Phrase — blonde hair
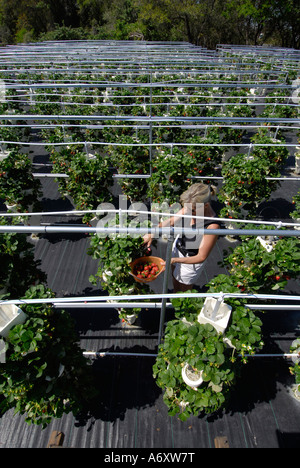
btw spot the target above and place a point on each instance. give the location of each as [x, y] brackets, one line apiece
[198, 193]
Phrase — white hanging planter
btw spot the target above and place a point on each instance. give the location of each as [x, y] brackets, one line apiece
[268, 242]
[229, 237]
[296, 350]
[215, 312]
[297, 160]
[297, 220]
[90, 156]
[191, 377]
[12, 208]
[10, 315]
[231, 225]
[296, 345]
[94, 221]
[3, 155]
[296, 391]
[130, 318]
[106, 274]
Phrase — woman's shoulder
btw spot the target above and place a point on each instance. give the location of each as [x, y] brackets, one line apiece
[213, 224]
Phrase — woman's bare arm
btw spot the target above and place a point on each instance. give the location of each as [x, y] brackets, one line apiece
[207, 244]
[167, 222]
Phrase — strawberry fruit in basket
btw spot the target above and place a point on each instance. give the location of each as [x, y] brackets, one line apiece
[146, 269]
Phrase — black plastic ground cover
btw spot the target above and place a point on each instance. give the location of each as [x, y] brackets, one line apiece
[130, 412]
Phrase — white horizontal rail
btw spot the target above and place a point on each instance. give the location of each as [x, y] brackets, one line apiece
[100, 354]
[112, 305]
[64, 103]
[15, 97]
[134, 212]
[55, 229]
[149, 297]
[144, 127]
[147, 176]
[156, 305]
[158, 144]
[154, 84]
[97, 354]
[238, 69]
[131, 118]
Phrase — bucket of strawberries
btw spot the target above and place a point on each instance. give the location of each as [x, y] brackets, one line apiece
[147, 269]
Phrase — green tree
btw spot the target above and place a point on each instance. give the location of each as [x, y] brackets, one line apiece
[91, 12]
[266, 21]
[285, 21]
[171, 19]
[205, 23]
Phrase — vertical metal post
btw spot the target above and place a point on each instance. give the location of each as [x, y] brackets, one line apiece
[150, 127]
[165, 288]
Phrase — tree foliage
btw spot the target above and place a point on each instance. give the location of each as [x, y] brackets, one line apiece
[205, 23]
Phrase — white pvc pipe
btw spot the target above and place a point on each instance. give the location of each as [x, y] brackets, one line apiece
[112, 353]
[149, 119]
[99, 211]
[112, 305]
[145, 230]
[147, 176]
[133, 297]
[146, 145]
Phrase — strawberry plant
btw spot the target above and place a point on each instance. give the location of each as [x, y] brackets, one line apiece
[18, 268]
[275, 155]
[115, 253]
[89, 179]
[173, 169]
[204, 350]
[219, 357]
[252, 268]
[295, 214]
[17, 184]
[295, 368]
[45, 374]
[131, 160]
[245, 184]
[171, 175]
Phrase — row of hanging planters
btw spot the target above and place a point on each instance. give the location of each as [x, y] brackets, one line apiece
[295, 346]
[246, 180]
[19, 189]
[43, 373]
[165, 100]
[173, 168]
[200, 359]
[199, 363]
[193, 344]
[295, 214]
[88, 181]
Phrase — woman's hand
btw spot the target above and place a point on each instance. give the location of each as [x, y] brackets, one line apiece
[147, 240]
[176, 260]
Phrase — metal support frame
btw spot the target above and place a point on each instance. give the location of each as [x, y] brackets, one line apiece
[151, 56]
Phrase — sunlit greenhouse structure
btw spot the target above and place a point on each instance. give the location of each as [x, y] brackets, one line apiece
[98, 141]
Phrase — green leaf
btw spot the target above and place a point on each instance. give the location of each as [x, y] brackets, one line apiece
[41, 369]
